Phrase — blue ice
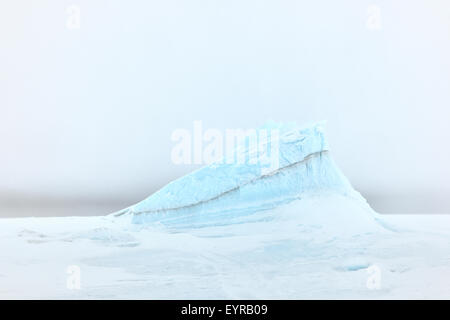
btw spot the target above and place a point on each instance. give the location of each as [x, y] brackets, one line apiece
[225, 193]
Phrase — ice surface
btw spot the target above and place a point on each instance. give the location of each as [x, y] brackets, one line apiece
[300, 231]
[312, 248]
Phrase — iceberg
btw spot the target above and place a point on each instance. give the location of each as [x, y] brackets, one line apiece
[226, 193]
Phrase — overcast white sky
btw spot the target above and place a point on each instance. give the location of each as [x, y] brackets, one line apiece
[88, 113]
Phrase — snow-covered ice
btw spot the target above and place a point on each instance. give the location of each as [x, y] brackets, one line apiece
[290, 255]
[233, 232]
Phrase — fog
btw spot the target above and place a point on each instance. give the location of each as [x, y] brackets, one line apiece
[87, 110]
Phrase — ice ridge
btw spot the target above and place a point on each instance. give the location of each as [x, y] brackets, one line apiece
[222, 192]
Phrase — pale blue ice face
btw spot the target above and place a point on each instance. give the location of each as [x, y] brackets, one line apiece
[221, 193]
